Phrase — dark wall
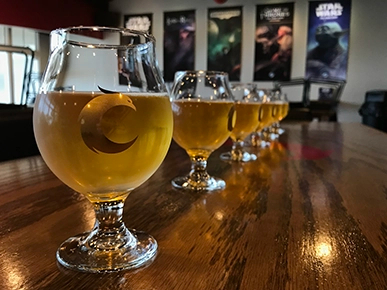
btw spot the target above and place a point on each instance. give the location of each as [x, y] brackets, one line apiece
[17, 136]
[51, 14]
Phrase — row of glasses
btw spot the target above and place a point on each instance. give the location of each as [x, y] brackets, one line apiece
[104, 139]
[274, 109]
[207, 111]
[203, 103]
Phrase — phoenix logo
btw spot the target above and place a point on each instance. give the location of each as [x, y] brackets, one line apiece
[231, 119]
[91, 117]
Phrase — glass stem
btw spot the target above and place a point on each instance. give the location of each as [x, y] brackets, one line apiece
[276, 128]
[198, 171]
[256, 139]
[266, 134]
[237, 150]
[110, 232]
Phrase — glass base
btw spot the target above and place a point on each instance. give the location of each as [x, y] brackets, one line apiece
[77, 254]
[244, 157]
[209, 184]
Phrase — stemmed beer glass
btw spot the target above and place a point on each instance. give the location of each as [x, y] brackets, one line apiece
[102, 138]
[265, 119]
[282, 108]
[203, 114]
[247, 107]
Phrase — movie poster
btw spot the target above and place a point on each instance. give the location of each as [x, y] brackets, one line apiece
[273, 42]
[179, 42]
[328, 39]
[224, 41]
[141, 22]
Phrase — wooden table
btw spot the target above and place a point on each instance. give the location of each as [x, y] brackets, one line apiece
[311, 213]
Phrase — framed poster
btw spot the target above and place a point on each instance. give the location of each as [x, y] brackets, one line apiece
[328, 39]
[273, 42]
[225, 41]
[141, 22]
[179, 42]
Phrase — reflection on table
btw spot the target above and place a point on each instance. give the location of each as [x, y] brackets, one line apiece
[310, 213]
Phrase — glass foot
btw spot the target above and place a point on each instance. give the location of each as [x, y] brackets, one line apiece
[209, 184]
[244, 157]
[78, 253]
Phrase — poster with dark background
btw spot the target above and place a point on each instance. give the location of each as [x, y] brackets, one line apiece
[328, 39]
[273, 42]
[141, 22]
[224, 41]
[179, 42]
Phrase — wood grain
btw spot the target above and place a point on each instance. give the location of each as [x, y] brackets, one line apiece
[310, 213]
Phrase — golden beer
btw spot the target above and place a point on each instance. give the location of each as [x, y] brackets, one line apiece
[284, 110]
[265, 116]
[201, 126]
[276, 111]
[246, 121]
[103, 145]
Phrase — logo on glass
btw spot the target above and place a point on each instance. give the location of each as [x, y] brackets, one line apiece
[99, 120]
[231, 119]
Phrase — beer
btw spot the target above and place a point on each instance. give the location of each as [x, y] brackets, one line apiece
[103, 145]
[246, 120]
[201, 126]
[265, 116]
[284, 110]
[276, 111]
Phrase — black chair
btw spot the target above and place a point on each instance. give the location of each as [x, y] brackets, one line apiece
[16, 119]
[324, 108]
[298, 111]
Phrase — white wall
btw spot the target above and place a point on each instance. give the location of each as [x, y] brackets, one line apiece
[367, 68]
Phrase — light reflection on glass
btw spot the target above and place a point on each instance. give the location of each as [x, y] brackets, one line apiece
[88, 216]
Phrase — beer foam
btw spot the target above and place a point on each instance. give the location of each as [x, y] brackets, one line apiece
[198, 100]
[99, 93]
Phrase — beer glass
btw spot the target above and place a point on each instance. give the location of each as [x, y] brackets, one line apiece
[280, 111]
[247, 106]
[203, 114]
[103, 125]
[284, 105]
[265, 117]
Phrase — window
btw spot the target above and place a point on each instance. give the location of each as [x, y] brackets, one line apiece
[14, 65]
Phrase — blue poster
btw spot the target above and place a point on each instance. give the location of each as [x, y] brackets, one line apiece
[328, 39]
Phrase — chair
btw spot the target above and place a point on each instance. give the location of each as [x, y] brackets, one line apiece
[16, 119]
[323, 109]
[298, 111]
[29, 55]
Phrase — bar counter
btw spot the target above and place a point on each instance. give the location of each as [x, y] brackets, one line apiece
[310, 213]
